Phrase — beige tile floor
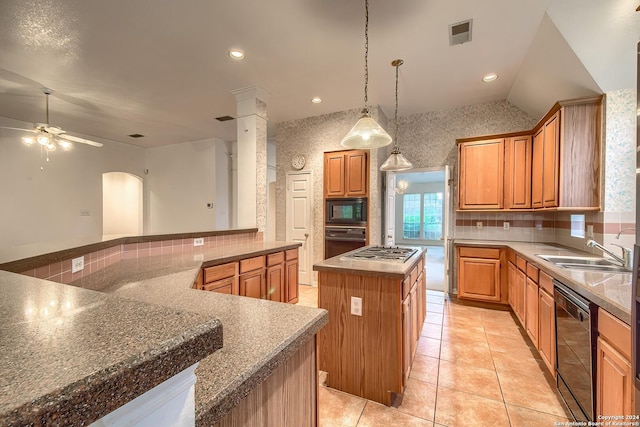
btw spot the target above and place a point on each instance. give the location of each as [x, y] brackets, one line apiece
[473, 367]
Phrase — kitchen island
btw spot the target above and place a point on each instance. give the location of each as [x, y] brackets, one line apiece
[376, 311]
[267, 345]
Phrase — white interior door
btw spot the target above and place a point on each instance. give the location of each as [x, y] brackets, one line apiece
[299, 219]
[446, 227]
[390, 210]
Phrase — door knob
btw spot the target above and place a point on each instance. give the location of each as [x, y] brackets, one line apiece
[306, 235]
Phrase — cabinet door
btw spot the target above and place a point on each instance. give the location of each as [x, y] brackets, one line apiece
[356, 173]
[521, 287]
[512, 286]
[551, 162]
[614, 382]
[536, 169]
[547, 330]
[531, 316]
[479, 279]
[518, 173]
[422, 299]
[406, 339]
[252, 284]
[291, 281]
[334, 182]
[481, 174]
[224, 286]
[414, 319]
[275, 282]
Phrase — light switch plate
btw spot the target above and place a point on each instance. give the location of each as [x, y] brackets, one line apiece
[77, 264]
[505, 225]
[590, 230]
[356, 306]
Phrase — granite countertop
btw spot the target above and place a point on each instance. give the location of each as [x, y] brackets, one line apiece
[69, 356]
[391, 269]
[259, 335]
[609, 290]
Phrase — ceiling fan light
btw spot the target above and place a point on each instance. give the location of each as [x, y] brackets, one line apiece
[28, 140]
[43, 140]
[396, 162]
[51, 147]
[65, 145]
[366, 133]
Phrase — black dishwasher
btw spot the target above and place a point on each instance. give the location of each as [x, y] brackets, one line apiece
[575, 350]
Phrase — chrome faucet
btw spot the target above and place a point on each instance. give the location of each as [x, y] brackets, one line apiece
[625, 261]
[624, 229]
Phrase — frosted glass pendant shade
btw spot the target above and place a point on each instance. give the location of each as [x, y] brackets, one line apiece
[396, 162]
[366, 133]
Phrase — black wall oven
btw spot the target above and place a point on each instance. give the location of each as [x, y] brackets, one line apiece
[341, 239]
[346, 212]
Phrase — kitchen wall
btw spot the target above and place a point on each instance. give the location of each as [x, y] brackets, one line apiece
[44, 206]
[311, 137]
[180, 182]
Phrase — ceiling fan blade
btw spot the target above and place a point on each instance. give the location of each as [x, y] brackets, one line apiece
[19, 129]
[79, 140]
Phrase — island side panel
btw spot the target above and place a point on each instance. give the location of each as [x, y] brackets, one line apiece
[288, 397]
[362, 354]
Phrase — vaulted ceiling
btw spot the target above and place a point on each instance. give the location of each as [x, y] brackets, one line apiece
[160, 68]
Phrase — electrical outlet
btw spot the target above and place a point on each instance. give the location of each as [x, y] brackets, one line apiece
[77, 264]
[505, 225]
[356, 306]
[198, 241]
[479, 225]
[589, 230]
[85, 212]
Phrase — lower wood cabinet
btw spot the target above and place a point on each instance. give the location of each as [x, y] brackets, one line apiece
[531, 316]
[291, 276]
[273, 276]
[614, 378]
[547, 330]
[520, 292]
[479, 274]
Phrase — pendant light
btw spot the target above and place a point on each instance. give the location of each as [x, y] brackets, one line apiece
[366, 133]
[396, 161]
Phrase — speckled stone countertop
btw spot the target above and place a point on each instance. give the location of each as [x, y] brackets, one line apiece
[391, 269]
[609, 290]
[70, 356]
[259, 335]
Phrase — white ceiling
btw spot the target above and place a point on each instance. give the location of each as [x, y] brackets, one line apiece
[160, 68]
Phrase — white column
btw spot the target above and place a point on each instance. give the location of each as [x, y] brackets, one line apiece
[252, 157]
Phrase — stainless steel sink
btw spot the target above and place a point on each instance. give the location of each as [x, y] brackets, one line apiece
[584, 263]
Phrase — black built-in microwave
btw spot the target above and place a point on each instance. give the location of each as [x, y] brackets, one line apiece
[346, 211]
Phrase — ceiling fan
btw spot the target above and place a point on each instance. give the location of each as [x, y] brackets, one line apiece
[48, 136]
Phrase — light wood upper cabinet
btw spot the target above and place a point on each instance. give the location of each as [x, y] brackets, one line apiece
[555, 166]
[346, 174]
[517, 178]
[481, 174]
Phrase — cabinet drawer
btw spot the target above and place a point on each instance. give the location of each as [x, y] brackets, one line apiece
[546, 282]
[421, 264]
[469, 252]
[521, 263]
[274, 259]
[224, 286]
[413, 275]
[532, 272]
[291, 254]
[250, 264]
[512, 257]
[211, 274]
[406, 286]
[615, 332]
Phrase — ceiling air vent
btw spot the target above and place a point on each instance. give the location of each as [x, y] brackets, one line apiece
[136, 135]
[460, 32]
[224, 118]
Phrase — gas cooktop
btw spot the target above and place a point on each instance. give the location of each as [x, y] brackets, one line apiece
[383, 253]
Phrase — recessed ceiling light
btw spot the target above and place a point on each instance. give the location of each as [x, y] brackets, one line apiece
[490, 77]
[316, 100]
[236, 54]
